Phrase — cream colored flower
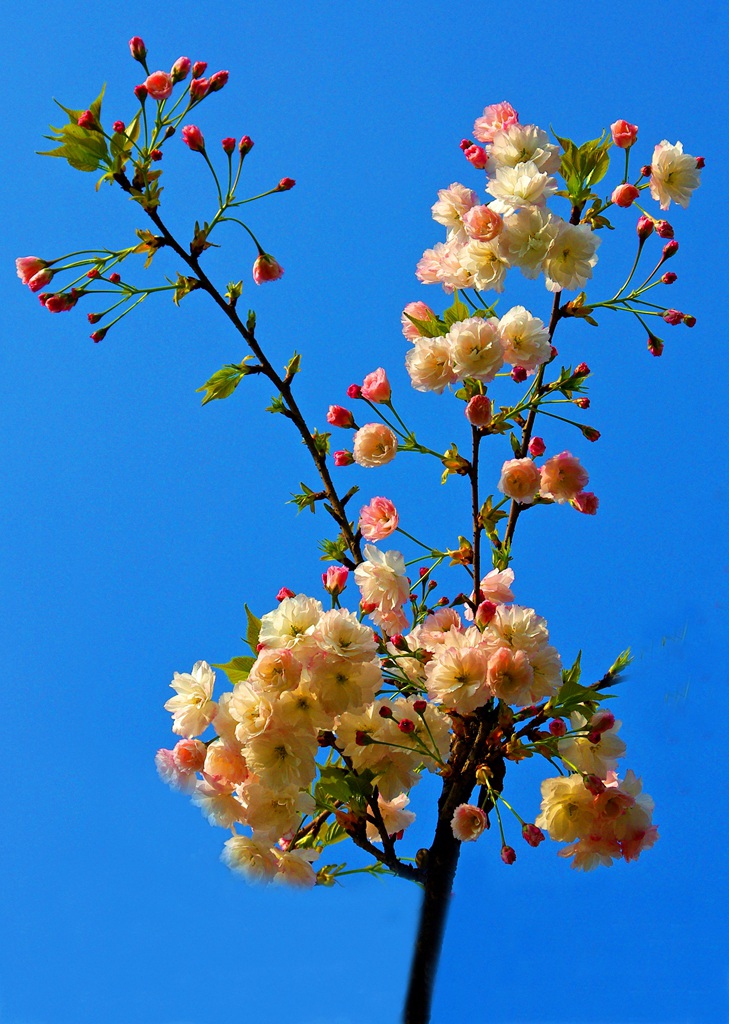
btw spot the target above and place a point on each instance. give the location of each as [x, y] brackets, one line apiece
[476, 349]
[524, 339]
[394, 817]
[453, 203]
[381, 579]
[253, 858]
[430, 365]
[193, 708]
[526, 237]
[520, 143]
[487, 263]
[674, 175]
[593, 758]
[291, 623]
[571, 257]
[519, 186]
[374, 445]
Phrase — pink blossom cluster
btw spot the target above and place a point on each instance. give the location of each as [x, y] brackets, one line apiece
[562, 479]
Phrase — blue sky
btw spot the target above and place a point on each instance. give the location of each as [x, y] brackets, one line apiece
[136, 524]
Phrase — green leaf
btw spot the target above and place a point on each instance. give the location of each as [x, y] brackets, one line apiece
[238, 669]
[340, 785]
[183, 286]
[85, 149]
[254, 629]
[223, 382]
[455, 313]
[334, 550]
[431, 328]
[277, 405]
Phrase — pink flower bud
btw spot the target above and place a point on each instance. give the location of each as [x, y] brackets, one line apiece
[465, 143]
[93, 273]
[532, 834]
[485, 613]
[159, 85]
[586, 502]
[537, 447]
[669, 277]
[624, 134]
[180, 69]
[582, 370]
[594, 736]
[338, 416]
[582, 403]
[61, 302]
[673, 317]
[137, 49]
[385, 711]
[664, 229]
[700, 163]
[361, 738]
[420, 706]
[689, 320]
[245, 145]
[508, 854]
[335, 579]
[285, 184]
[670, 249]
[343, 458]
[593, 784]
[655, 345]
[553, 353]
[115, 278]
[41, 279]
[644, 227]
[86, 120]
[406, 725]
[140, 91]
[99, 335]
[590, 433]
[478, 411]
[468, 822]
[27, 267]
[602, 721]
[419, 311]
[266, 268]
[519, 374]
[199, 89]
[354, 391]
[219, 80]
[557, 727]
[646, 170]
[156, 155]
[199, 68]
[625, 195]
[119, 127]
[376, 387]
[283, 593]
[193, 137]
[476, 156]
[228, 145]
[93, 318]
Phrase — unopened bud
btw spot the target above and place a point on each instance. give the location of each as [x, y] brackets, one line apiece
[700, 163]
[485, 613]
[228, 145]
[689, 320]
[343, 458]
[664, 229]
[406, 725]
[361, 738]
[582, 370]
[673, 317]
[354, 391]
[591, 434]
[335, 579]
[508, 854]
[532, 833]
[669, 277]
[625, 195]
[99, 335]
[582, 403]
[283, 593]
[285, 184]
[420, 706]
[119, 127]
[655, 345]
[199, 68]
[644, 227]
[601, 721]
[137, 49]
[594, 785]
[219, 80]
[140, 91]
[646, 170]
[537, 447]
[385, 711]
[478, 411]
[245, 145]
[519, 374]
[557, 727]
[115, 278]
[476, 156]
[338, 416]
[670, 249]
[594, 737]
